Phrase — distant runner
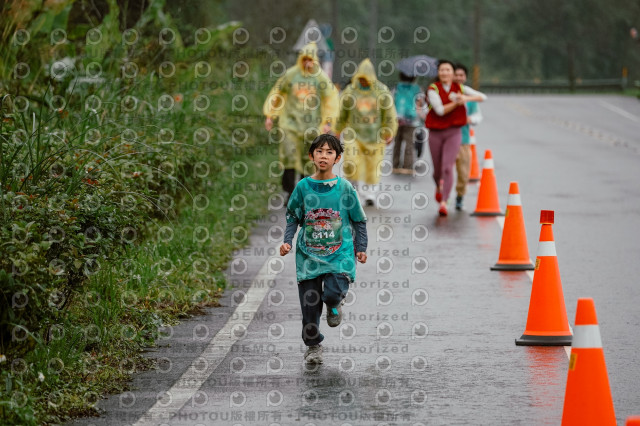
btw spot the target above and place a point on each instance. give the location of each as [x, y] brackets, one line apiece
[463, 160]
[447, 114]
[304, 99]
[368, 124]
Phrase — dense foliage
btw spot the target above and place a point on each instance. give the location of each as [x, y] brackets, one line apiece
[518, 39]
[117, 179]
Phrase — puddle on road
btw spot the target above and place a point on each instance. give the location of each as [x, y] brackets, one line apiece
[547, 376]
[514, 284]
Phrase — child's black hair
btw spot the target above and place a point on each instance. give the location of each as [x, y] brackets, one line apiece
[459, 66]
[406, 78]
[330, 140]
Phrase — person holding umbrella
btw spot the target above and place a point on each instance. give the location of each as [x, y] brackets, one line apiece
[447, 114]
[405, 96]
[410, 68]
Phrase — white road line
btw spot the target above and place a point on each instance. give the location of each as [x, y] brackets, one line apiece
[620, 111]
[217, 349]
[500, 220]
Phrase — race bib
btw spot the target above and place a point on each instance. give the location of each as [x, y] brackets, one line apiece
[322, 231]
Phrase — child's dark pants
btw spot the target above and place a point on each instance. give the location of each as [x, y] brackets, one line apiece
[312, 296]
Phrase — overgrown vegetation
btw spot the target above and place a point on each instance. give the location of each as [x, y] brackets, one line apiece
[119, 189]
[518, 39]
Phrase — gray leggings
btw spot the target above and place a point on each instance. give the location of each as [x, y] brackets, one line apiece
[444, 146]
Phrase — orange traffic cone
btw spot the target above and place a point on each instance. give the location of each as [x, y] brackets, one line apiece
[474, 170]
[547, 323]
[488, 203]
[587, 399]
[633, 421]
[514, 252]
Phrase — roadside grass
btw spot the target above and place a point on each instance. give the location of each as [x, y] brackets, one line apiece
[124, 308]
[126, 166]
[117, 219]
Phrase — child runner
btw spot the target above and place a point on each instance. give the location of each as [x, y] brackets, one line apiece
[463, 160]
[327, 209]
[447, 114]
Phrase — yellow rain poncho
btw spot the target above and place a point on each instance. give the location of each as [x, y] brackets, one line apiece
[369, 111]
[301, 103]
[367, 121]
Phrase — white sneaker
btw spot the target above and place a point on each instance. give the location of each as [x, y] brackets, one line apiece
[313, 355]
[369, 199]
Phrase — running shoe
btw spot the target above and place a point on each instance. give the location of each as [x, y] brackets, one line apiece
[442, 211]
[334, 315]
[439, 191]
[459, 202]
[369, 200]
[313, 355]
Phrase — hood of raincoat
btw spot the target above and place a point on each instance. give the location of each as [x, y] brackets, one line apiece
[367, 71]
[309, 50]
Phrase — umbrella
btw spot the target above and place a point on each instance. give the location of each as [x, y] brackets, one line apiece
[418, 66]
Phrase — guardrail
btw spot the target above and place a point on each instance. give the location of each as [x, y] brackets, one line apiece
[600, 85]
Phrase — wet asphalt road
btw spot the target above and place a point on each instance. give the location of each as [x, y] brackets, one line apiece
[428, 330]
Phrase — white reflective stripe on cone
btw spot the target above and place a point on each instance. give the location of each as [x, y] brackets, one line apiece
[488, 164]
[586, 336]
[546, 248]
[514, 200]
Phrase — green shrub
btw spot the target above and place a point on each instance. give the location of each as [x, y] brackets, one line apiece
[100, 185]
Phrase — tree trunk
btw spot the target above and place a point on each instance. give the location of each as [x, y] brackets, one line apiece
[476, 45]
[373, 29]
[571, 66]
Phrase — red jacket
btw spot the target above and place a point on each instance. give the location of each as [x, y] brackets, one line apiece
[456, 118]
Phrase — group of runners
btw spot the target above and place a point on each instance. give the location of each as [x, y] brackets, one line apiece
[318, 127]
